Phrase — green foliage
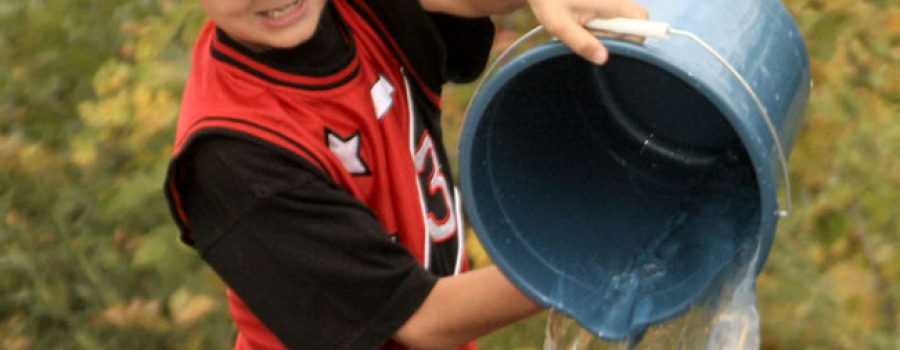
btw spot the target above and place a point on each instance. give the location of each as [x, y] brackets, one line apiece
[89, 257]
[832, 277]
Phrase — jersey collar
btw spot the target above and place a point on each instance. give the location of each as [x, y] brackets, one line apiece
[325, 61]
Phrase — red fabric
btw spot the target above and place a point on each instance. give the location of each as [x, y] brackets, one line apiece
[220, 96]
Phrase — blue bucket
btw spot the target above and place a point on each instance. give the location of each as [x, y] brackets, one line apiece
[620, 194]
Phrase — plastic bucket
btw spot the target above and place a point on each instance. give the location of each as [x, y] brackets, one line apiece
[619, 193]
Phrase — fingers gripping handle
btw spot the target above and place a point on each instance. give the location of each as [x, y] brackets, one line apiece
[661, 30]
[628, 26]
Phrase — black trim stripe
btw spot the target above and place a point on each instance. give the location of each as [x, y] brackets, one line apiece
[173, 198]
[229, 60]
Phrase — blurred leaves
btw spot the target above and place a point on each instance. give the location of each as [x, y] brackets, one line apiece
[187, 308]
[184, 307]
[89, 257]
[831, 281]
[139, 313]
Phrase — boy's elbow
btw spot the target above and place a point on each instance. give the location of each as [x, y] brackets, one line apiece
[433, 325]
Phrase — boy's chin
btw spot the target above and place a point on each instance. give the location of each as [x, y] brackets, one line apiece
[286, 44]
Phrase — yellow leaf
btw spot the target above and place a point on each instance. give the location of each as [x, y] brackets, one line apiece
[892, 24]
[17, 343]
[140, 313]
[9, 340]
[154, 111]
[37, 159]
[853, 287]
[187, 308]
[9, 149]
[111, 77]
[476, 251]
[112, 111]
[83, 152]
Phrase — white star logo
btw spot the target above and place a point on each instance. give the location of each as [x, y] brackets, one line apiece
[382, 96]
[347, 150]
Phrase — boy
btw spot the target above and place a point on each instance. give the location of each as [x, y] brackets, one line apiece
[309, 171]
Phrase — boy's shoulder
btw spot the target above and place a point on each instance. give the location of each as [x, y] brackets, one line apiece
[439, 47]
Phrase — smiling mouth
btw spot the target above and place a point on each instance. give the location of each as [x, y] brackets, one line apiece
[281, 11]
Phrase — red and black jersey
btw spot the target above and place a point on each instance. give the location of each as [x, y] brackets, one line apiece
[370, 126]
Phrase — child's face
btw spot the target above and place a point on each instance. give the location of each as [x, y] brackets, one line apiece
[266, 24]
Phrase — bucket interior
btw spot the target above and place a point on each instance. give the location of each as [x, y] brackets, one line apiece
[589, 176]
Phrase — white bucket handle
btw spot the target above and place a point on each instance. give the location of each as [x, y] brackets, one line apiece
[659, 30]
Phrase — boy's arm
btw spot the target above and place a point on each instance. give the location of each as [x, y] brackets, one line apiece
[464, 307]
[562, 18]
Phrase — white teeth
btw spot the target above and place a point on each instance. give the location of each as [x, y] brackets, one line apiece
[281, 11]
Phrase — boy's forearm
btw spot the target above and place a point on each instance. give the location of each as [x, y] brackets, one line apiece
[464, 307]
[473, 8]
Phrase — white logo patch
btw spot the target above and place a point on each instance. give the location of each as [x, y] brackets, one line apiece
[382, 96]
[347, 150]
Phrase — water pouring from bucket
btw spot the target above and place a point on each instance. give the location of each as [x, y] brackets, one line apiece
[624, 194]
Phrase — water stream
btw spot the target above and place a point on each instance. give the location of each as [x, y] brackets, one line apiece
[727, 320]
[714, 236]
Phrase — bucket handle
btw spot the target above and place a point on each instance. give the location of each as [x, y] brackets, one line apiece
[659, 30]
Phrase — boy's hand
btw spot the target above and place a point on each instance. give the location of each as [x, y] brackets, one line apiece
[565, 19]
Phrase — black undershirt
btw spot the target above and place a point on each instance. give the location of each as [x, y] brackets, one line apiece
[311, 261]
[328, 51]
